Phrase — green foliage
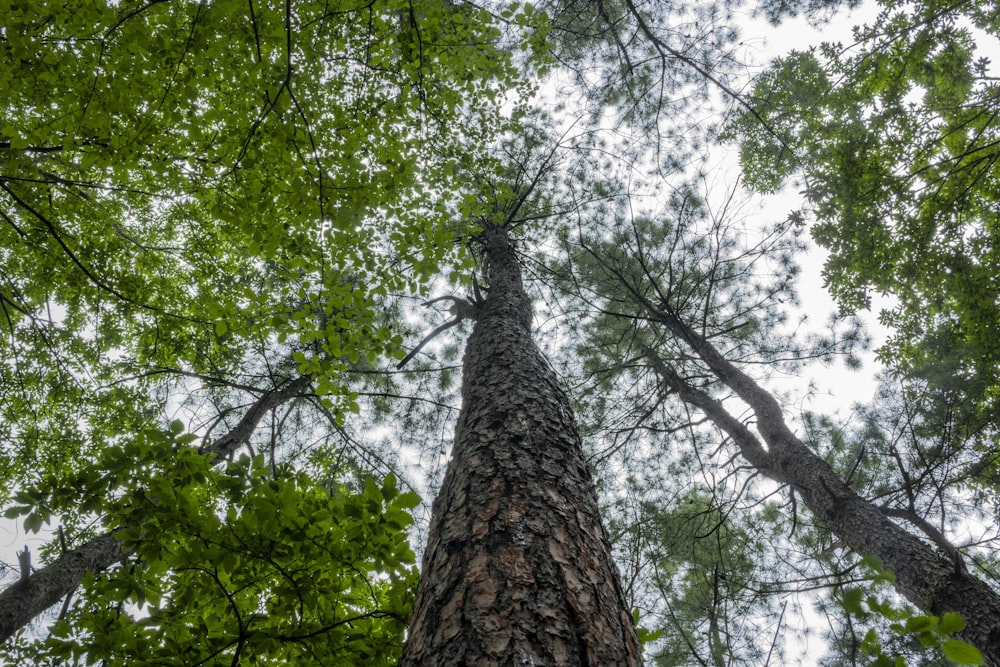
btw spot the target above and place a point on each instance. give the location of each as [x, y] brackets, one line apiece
[646, 636]
[704, 565]
[897, 139]
[187, 182]
[817, 11]
[932, 634]
[245, 562]
[202, 201]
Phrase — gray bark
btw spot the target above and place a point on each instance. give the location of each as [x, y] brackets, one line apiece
[934, 581]
[28, 598]
[518, 568]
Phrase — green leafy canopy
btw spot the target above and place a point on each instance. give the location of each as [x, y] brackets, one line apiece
[896, 136]
[201, 202]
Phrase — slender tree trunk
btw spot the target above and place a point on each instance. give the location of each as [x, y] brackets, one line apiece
[518, 568]
[23, 601]
[934, 580]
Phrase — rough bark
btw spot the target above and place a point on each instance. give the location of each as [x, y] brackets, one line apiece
[518, 567]
[935, 581]
[23, 601]
[28, 598]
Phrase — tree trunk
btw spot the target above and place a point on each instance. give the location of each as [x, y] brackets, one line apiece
[29, 597]
[932, 580]
[518, 567]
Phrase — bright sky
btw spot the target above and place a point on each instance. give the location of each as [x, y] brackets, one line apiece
[835, 388]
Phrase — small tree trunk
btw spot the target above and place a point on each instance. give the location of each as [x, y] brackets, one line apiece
[518, 568]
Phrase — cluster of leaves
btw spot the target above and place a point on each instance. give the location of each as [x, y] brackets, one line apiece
[186, 183]
[896, 137]
[242, 561]
[927, 631]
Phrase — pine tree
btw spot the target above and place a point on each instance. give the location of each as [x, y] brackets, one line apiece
[518, 568]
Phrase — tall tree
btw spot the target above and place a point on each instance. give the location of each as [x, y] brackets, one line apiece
[676, 305]
[518, 568]
[208, 210]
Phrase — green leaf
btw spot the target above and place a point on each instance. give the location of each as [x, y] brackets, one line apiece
[33, 522]
[951, 623]
[852, 602]
[408, 500]
[962, 653]
[389, 489]
[16, 510]
[916, 624]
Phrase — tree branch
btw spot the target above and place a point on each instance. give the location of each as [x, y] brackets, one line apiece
[35, 592]
[32, 595]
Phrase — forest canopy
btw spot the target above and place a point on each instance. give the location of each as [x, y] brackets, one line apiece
[230, 230]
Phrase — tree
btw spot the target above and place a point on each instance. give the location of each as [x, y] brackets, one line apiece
[931, 580]
[668, 307]
[215, 216]
[895, 137]
[706, 559]
[208, 210]
[518, 567]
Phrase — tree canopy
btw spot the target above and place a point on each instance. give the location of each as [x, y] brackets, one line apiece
[204, 203]
[895, 137]
[218, 216]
